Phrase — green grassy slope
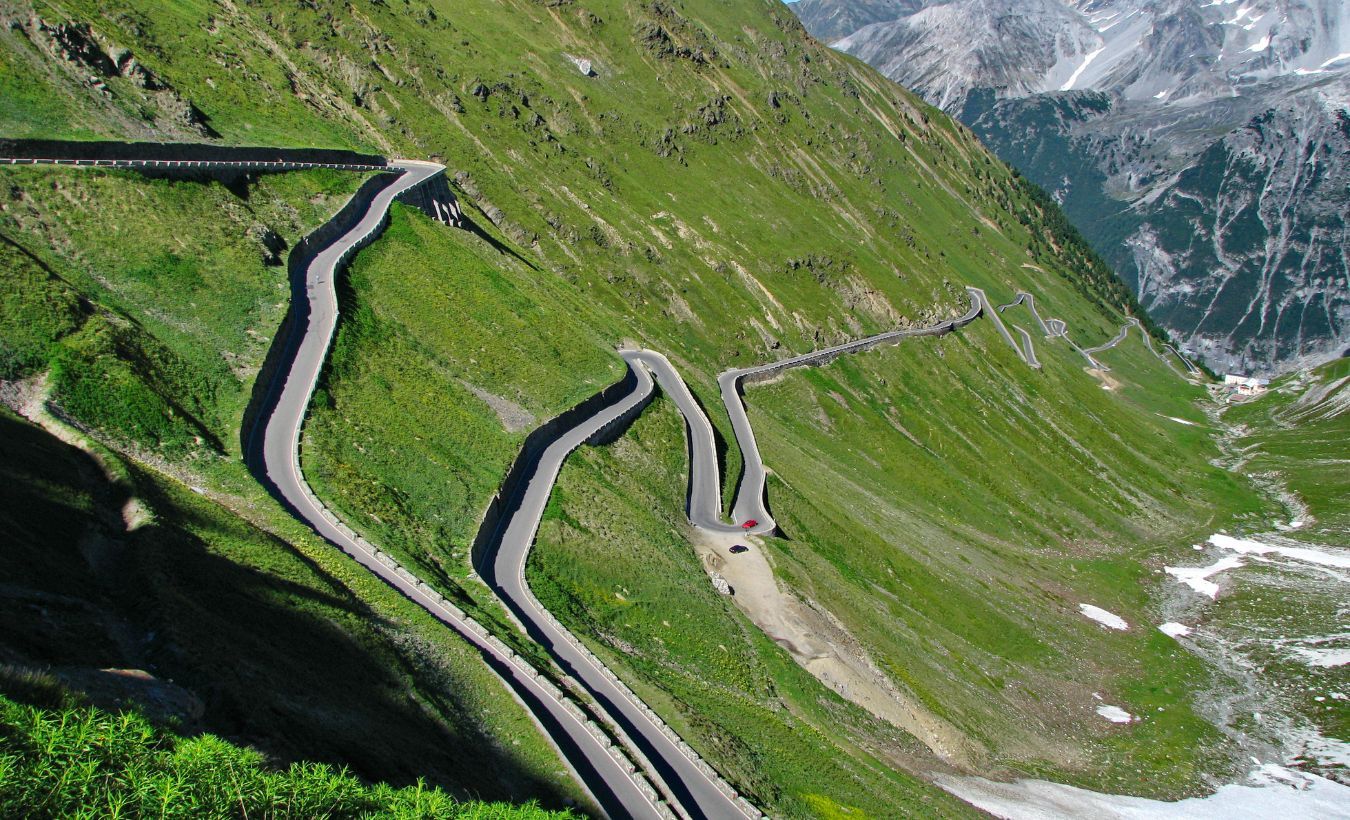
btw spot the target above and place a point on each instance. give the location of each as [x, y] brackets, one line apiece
[1299, 431]
[62, 758]
[969, 511]
[153, 345]
[435, 330]
[1295, 441]
[727, 191]
[171, 290]
[614, 560]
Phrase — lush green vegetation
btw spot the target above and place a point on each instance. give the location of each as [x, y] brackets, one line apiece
[614, 560]
[1295, 441]
[155, 340]
[1091, 275]
[1304, 440]
[403, 437]
[968, 516]
[67, 759]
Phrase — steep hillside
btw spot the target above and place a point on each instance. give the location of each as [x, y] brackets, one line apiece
[1201, 149]
[1238, 250]
[724, 189]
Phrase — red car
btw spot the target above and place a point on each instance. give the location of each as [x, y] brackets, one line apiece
[751, 523]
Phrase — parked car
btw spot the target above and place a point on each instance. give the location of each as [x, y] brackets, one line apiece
[739, 548]
[751, 523]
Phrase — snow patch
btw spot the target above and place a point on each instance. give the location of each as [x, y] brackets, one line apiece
[1323, 658]
[1107, 619]
[1115, 714]
[1197, 578]
[1270, 791]
[1244, 546]
[1078, 72]
[1172, 629]
[1260, 45]
[1180, 421]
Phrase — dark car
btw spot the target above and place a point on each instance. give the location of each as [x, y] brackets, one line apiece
[739, 548]
[751, 523]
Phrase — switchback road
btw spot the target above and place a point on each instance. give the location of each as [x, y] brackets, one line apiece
[650, 772]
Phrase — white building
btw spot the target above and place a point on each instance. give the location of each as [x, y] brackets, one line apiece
[1245, 385]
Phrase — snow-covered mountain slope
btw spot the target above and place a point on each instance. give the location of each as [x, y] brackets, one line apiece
[945, 50]
[1178, 50]
[829, 20]
[1166, 50]
[1201, 145]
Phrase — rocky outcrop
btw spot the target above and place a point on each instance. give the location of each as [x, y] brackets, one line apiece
[1235, 244]
[946, 50]
[110, 69]
[829, 20]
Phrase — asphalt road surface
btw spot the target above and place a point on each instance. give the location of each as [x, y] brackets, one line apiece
[750, 503]
[617, 786]
[697, 791]
[1050, 328]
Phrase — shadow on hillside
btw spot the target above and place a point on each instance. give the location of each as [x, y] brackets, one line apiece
[282, 655]
[496, 244]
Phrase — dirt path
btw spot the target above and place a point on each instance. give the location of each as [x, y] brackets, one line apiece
[29, 398]
[820, 644]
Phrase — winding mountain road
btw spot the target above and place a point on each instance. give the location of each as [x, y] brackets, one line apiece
[1191, 369]
[1050, 328]
[691, 783]
[750, 503]
[1024, 350]
[611, 778]
[650, 771]
[1056, 328]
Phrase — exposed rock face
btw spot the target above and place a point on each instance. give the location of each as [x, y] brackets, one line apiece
[829, 20]
[1168, 50]
[1244, 256]
[1202, 147]
[86, 54]
[946, 50]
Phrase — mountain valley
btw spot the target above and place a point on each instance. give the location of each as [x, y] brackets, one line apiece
[985, 464]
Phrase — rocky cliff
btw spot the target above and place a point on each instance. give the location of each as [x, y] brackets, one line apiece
[1201, 147]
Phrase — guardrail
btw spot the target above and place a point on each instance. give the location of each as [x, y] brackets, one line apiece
[766, 371]
[267, 165]
[480, 636]
[678, 742]
[624, 752]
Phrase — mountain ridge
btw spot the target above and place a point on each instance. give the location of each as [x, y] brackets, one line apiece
[1183, 87]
